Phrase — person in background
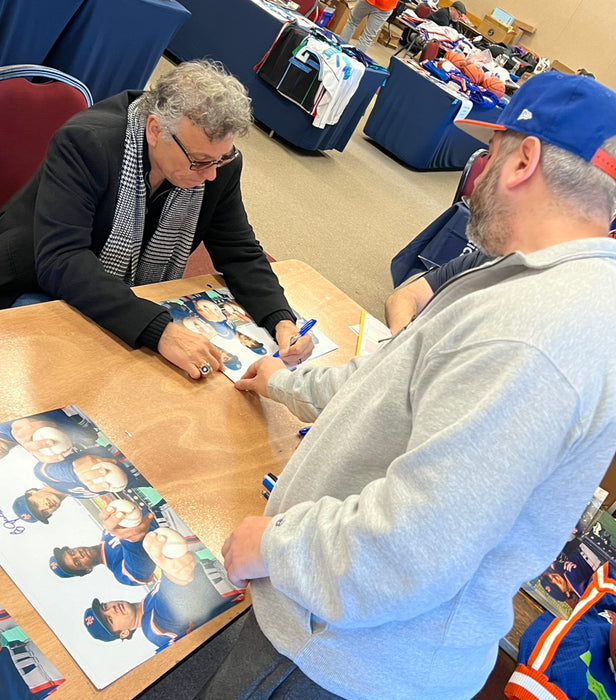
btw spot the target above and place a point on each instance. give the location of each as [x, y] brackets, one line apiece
[128, 188]
[376, 13]
[443, 16]
[450, 466]
[407, 300]
[449, 16]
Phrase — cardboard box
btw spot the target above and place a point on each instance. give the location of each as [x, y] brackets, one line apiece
[561, 67]
[360, 28]
[389, 36]
[524, 77]
[495, 31]
[520, 29]
[341, 15]
[524, 27]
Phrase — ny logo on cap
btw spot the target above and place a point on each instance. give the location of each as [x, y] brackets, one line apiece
[525, 114]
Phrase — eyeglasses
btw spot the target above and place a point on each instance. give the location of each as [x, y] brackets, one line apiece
[202, 165]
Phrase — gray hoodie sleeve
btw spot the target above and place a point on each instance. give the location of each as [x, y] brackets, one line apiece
[307, 390]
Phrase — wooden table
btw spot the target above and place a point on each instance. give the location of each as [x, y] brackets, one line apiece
[203, 445]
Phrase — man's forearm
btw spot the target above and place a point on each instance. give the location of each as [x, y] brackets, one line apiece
[405, 303]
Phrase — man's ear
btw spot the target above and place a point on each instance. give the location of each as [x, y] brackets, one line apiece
[153, 132]
[523, 162]
[124, 634]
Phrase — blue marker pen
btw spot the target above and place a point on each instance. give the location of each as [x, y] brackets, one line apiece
[269, 480]
[302, 331]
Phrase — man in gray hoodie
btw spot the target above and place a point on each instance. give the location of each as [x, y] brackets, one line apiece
[450, 466]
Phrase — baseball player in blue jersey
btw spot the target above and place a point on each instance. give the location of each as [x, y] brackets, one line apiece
[215, 316]
[89, 473]
[12, 685]
[38, 504]
[120, 550]
[84, 474]
[33, 434]
[183, 600]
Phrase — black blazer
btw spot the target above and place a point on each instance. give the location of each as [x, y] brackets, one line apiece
[53, 229]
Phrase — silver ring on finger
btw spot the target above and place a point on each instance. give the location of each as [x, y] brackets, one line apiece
[205, 368]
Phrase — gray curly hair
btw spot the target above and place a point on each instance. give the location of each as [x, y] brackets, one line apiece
[205, 93]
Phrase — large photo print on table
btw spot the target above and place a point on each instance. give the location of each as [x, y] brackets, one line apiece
[217, 315]
[106, 562]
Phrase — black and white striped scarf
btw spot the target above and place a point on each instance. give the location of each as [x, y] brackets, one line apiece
[166, 253]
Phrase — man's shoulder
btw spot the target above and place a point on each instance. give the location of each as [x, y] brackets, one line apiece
[439, 15]
[104, 122]
[96, 134]
[110, 109]
[437, 277]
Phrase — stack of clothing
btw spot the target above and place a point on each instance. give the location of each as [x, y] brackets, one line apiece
[313, 71]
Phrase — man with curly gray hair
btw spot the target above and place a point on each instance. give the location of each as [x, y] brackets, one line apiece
[128, 189]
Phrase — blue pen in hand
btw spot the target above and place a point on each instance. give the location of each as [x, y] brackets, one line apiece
[302, 331]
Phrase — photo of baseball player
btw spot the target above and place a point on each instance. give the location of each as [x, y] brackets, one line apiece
[169, 611]
[230, 361]
[251, 343]
[97, 547]
[120, 549]
[235, 312]
[84, 474]
[196, 324]
[49, 437]
[216, 315]
[38, 504]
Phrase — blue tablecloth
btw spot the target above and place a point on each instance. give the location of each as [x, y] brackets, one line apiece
[28, 29]
[114, 45]
[412, 118]
[238, 33]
